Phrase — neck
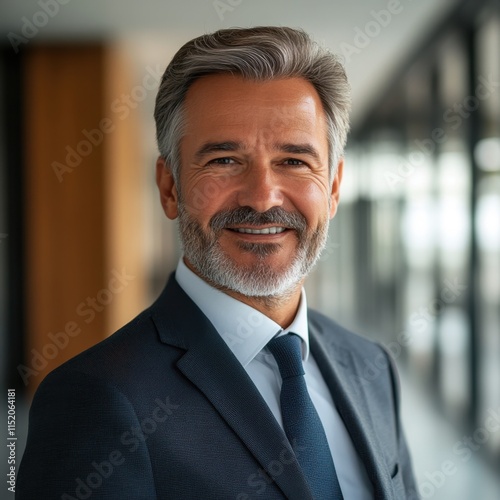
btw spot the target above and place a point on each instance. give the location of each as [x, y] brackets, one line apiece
[281, 309]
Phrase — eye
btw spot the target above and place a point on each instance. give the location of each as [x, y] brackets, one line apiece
[293, 162]
[221, 161]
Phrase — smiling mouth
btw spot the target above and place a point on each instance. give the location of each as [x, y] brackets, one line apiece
[266, 230]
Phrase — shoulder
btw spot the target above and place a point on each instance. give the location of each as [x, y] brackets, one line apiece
[131, 344]
[114, 363]
[113, 350]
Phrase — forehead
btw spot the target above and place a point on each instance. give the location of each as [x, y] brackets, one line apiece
[235, 99]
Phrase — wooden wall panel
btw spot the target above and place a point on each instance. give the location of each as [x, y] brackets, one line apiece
[65, 235]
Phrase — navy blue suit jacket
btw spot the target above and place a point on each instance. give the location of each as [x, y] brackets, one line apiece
[163, 410]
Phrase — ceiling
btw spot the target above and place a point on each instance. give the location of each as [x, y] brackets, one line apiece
[374, 36]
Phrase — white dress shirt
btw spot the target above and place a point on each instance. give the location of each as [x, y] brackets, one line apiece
[247, 331]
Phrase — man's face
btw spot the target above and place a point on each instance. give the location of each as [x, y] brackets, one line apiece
[255, 198]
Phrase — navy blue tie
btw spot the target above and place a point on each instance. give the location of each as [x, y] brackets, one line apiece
[301, 420]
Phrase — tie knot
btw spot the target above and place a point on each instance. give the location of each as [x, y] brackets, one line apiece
[288, 354]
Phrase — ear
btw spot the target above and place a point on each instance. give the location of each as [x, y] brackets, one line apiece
[168, 190]
[334, 195]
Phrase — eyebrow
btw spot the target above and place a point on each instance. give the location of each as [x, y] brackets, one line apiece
[299, 149]
[214, 147]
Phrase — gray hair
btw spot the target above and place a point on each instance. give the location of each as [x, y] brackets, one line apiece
[260, 53]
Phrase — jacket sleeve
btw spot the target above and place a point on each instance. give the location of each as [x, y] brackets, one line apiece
[84, 441]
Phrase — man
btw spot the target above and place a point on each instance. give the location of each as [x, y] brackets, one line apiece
[203, 395]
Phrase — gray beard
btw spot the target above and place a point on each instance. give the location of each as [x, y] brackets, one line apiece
[261, 280]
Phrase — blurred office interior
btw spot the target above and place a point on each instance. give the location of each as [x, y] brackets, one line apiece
[413, 259]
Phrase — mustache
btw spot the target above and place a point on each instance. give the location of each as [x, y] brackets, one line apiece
[250, 217]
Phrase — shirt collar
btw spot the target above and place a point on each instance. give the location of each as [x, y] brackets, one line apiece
[246, 331]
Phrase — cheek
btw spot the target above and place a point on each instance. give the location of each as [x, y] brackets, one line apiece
[204, 198]
[312, 201]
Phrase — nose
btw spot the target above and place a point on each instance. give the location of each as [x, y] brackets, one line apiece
[260, 188]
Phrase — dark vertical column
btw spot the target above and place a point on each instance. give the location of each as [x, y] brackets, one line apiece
[12, 237]
[435, 120]
[363, 256]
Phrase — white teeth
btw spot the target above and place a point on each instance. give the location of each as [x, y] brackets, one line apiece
[267, 230]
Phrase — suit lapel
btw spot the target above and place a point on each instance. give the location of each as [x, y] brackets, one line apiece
[211, 366]
[346, 385]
